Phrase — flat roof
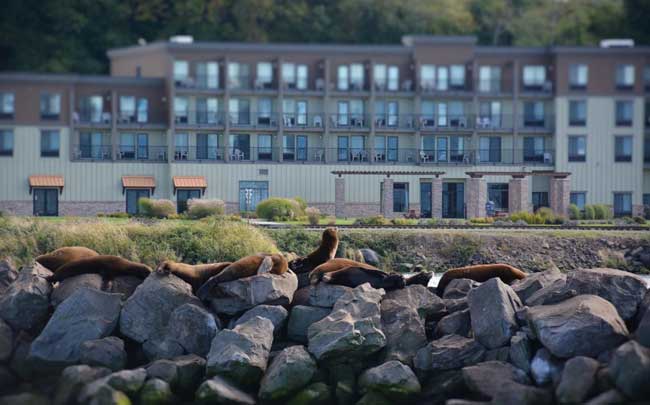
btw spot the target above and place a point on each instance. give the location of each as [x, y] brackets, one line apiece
[71, 78]
[388, 173]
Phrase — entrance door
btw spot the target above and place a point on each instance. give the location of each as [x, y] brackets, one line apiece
[46, 202]
[425, 200]
[183, 195]
[132, 197]
[453, 200]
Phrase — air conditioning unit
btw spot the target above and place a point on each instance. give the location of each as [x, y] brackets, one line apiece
[182, 39]
[617, 43]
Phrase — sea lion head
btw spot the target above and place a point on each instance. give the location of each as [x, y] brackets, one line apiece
[330, 236]
[165, 267]
[394, 281]
[280, 264]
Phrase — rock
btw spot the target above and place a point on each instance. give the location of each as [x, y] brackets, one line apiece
[459, 288]
[314, 394]
[642, 332]
[457, 323]
[551, 294]
[301, 296]
[520, 394]
[6, 341]
[393, 379]
[73, 379]
[26, 398]
[107, 352]
[7, 379]
[325, 295]
[352, 330]
[630, 370]
[183, 373]
[521, 351]
[373, 398]
[8, 274]
[448, 352]
[442, 385]
[86, 315]
[24, 305]
[106, 395]
[371, 257]
[578, 380]
[290, 371]
[485, 379]
[454, 305]
[126, 381]
[404, 330]
[303, 282]
[218, 390]
[499, 354]
[610, 397]
[301, 318]
[536, 281]
[242, 353]
[21, 364]
[419, 298]
[146, 313]
[68, 286]
[156, 392]
[274, 313]
[124, 285]
[585, 325]
[492, 308]
[545, 368]
[234, 297]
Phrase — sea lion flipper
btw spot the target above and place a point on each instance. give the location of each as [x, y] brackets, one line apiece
[266, 266]
[204, 291]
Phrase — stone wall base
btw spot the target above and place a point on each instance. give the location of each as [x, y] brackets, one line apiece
[90, 208]
[17, 207]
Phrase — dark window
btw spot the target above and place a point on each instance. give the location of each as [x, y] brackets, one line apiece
[264, 147]
[579, 199]
[578, 76]
[392, 148]
[50, 143]
[426, 188]
[183, 196]
[132, 197]
[50, 106]
[453, 200]
[534, 114]
[577, 148]
[623, 149]
[577, 113]
[646, 199]
[533, 149]
[540, 199]
[7, 107]
[207, 146]
[624, 113]
[343, 145]
[46, 202]
[289, 147]
[251, 193]
[91, 146]
[490, 149]
[498, 194]
[622, 204]
[302, 151]
[625, 77]
[240, 147]
[6, 142]
[400, 197]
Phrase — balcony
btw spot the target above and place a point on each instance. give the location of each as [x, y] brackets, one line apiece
[358, 121]
[446, 122]
[92, 119]
[544, 89]
[394, 122]
[490, 87]
[529, 123]
[199, 119]
[302, 121]
[493, 157]
[92, 152]
[253, 120]
[142, 153]
[131, 119]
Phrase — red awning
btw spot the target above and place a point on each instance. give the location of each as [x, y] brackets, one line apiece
[189, 182]
[138, 182]
[45, 181]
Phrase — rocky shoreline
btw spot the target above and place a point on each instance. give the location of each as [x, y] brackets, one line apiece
[576, 337]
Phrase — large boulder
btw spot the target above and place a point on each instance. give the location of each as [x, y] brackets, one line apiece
[393, 379]
[25, 303]
[242, 353]
[68, 286]
[218, 390]
[127, 381]
[521, 351]
[585, 325]
[274, 313]
[156, 392]
[6, 341]
[630, 370]
[459, 288]
[492, 308]
[535, 282]
[419, 298]
[124, 285]
[314, 394]
[8, 274]
[447, 353]
[72, 381]
[234, 297]
[86, 315]
[485, 379]
[643, 330]
[404, 330]
[290, 371]
[325, 295]
[545, 368]
[578, 380]
[183, 373]
[301, 319]
[521, 394]
[107, 352]
[457, 323]
[608, 397]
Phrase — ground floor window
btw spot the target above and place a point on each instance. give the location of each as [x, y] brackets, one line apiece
[426, 189]
[46, 202]
[184, 195]
[132, 197]
[400, 197]
[251, 193]
[453, 200]
[646, 199]
[579, 199]
[498, 194]
[540, 199]
[622, 204]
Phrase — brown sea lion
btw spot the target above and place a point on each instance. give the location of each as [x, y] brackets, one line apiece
[334, 265]
[245, 267]
[481, 273]
[195, 275]
[326, 251]
[107, 266]
[421, 278]
[57, 258]
[355, 276]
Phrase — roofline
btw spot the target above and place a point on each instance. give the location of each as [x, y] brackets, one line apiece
[71, 78]
[410, 40]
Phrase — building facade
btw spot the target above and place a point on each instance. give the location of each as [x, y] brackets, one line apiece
[435, 126]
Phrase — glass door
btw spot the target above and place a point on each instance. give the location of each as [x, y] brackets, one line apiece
[425, 199]
[46, 202]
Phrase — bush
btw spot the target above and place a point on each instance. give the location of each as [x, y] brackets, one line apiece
[278, 209]
[590, 212]
[198, 208]
[313, 215]
[301, 203]
[639, 220]
[156, 208]
[483, 220]
[331, 220]
[601, 211]
[404, 221]
[574, 212]
[373, 221]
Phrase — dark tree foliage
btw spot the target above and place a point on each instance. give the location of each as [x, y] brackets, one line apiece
[73, 35]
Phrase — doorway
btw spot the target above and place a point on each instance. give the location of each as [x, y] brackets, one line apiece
[453, 200]
[425, 199]
[46, 202]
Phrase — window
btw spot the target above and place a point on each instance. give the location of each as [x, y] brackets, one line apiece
[457, 148]
[92, 146]
[264, 147]
[342, 143]
[577, 113]
[294, 76]
[498, 194]
[442, 114]
[127, 109]
[183, 196]
[579, 199]
[386, 78]
[133, 195]
[400, 197]
[426, 190]
[380, 77]
[239, 111]
[143, 110]
[534, 77]
[427, 77]
[301, 147]
[393, 78]
[646, 77]
[457, 79]
[442, 82]
[252, 193]
[50, 106]
[238, 75]
[457, 114]
[490, 149]
[578, 76]
[489, 79]
[181, 109]
[622, 204]
[577, 148]
[207, 75]
[625, 77]
[624, 113]
[46, 202]
[7, 105]
[386, 113]
[207, 146]
[181, 70]
[288, 147]
[50, 143]
[646, 150]
[490, 114]
[534, 149]
[264, 75]
[343, 77]
[206, 110]
[302, 77]
[646, 200]
[623, 149]
[92, 110]
[301, 112]
[428, 114]
[356, 76]
[386, 148]
[264, 109]
[533, 114]
[540, 199]
[181, 146]
[442, 148]
[240, 147]
[343, 110]
[6, 142]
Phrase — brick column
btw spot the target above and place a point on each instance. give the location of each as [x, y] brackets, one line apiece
[559, 194]
[387, 198]
[339, 197]
[518, 194]
[436, 198]
[476, 197]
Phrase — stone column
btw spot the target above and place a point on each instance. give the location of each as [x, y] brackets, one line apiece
[476, 197]
[339, 197]
[518, 194]
[559, 194]
[387, 198]
[436, 198]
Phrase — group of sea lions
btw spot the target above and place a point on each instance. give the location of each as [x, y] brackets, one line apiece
[320, 264]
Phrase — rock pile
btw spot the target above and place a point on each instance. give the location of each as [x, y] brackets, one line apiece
[579, 337]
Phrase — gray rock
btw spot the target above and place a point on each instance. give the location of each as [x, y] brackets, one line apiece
[7, 379]
[234, 297]
[124, 285]
[642, 332]
[373, 398]
[67, 287]
[630, 370]
[371, 257]
[447, 353]
[457, 323]
[107, 395]
[419, 298]
[485, 379]
[455, 305]
[290, 371]
[499, 354]
[459, 288]
[643, 307]
[86, 315]
[8, 274]
[442, 385]
[520, 394]
[183, 373]
[314, 394]
[545, 368]
[73, 379]
[610, 397]
[107, 352]
[242, 353]
[274, 313]
[585, 325]
[393, 379]
[553, 293]
[578, 380]
[25, 303]
[218, 390]
[6, 341]
[21, 364]
[25, 398]
[146, 313]
[536, 281]
[126, 381]
[492, 308]
[521, 351]
[404, 330]
[156, 392]
[301, 318]
[325, 295]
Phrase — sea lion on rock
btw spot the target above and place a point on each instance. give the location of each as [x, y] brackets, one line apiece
[326, 251]
[195, 275]
[57, 258]
[334, 265]
[481, 273]
[355, 276]
[107, 266]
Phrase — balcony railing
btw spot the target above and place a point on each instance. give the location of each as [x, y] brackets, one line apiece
[395, 121]
[350, 120]
[202, 118]
[537, 123]
[92, 152]
[444, 122]
[148, 153]
[92, 118]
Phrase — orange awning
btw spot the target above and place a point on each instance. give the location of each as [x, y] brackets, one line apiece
[45, 181]
[189, 182]
[138, 182]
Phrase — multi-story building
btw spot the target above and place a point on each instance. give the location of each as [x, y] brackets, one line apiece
[437, 125]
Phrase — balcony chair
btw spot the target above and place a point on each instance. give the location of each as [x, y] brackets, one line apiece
[318, 155]
[237, 155]
[106, 118]
[424, 158]
[318, 121]
[320, 84]
[548, 158]
[407, 85]
[379, 157]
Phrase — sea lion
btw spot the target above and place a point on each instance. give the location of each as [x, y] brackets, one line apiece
[107, 266]
[326, 251]
[245, 267]
[334, 265]
[57, 258]
[421, 278]
[195, 275]
[481, 273]
[355, 276]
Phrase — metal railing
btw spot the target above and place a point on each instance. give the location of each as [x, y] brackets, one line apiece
[92, 152]
[94, 118]
[350, 120]
[152, 153]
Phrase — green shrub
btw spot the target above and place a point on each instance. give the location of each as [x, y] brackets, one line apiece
[198, 208]
[331, 220]
[574, 211]
[404, 221]
[590, 212]
[313, 215]
[639, 220]
[373, 221]
[156, 208]
[601, 211]
[301, 203]
[278, 209]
